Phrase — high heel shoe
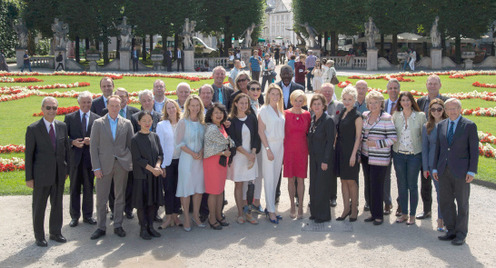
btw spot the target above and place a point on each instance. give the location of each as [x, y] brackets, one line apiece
[267, 215]
[215, 226]
[201, 224]
[355, 218]
[342, 218]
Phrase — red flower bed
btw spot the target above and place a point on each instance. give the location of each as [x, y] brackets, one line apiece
[61, 110]
[12, 148]
[478, 84]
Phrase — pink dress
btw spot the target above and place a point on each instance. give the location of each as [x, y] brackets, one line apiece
[214, 174]
[295, 144]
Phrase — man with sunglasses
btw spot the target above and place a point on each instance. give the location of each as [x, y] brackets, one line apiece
[47, 158]
[433, 87]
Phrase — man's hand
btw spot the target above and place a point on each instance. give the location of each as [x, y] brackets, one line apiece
[30, 184]
[79, 143]
[469, 178]
[86, 141]
[434, 175]
[98, 174]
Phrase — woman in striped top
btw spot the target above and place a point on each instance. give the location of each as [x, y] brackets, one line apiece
[378, 135]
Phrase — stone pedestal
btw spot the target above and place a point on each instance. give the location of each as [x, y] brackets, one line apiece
[372, 59]
[157, 61]
[315, 51]
[437, 58]
[125, 60]
[64, 57]
[93, 58]
[20, 56]
[469, 64]
[189, 60]
[245, 55]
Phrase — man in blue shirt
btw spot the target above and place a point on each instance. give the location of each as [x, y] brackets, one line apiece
[254, 65]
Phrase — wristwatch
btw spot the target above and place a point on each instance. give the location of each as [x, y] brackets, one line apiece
[267, 148]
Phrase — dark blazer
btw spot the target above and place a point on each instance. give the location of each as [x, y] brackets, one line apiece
[97, 106]
[422, 102]
[321, 140]
[130, 110]
[236, 129]
[42, 163]
[155, 117]
[462, 155]
[226, 95]
[75, 131]
[294, 86]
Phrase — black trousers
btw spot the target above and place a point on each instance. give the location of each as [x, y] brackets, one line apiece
[426, 191]
[135, 65]
[145, 216]
[374, 179]
[255, 75]
[81, 176]
[453, 189]
[128, 208]
[320, 208]
[172, 203]
[180, 62]
[60, 65]
[40, 198]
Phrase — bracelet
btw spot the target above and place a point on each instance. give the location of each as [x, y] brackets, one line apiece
[267, 148]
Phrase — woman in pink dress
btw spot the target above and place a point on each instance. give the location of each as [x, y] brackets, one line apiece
[296, 149]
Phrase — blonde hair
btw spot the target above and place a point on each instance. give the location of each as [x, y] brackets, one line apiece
[376, 95]
[280, 103]
[165, 115]
[296, 94]
[186, 114]
[350, 90]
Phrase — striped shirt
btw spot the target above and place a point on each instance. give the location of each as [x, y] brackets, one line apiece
[383, 132]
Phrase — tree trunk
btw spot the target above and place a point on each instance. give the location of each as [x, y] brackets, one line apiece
[151, 43]
[164, 47]
[97, 44]
[424, 49]
[87, 43]
[227, 36]
[76, 52]
[334, 42]
[443, 44]
[105, 50]
[117, 49]
[382, 53]
[144, 48]
[394, 49]
[458, 49]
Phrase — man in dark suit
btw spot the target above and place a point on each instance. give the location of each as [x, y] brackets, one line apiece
[79, 128]
[110, 147]
[287, 85]
[222, 93]
[180, 59]
[433, 86]
[455, 163]
[46, 167]
[393, 90]
[100, 103]
[127, 112]
[168, 59]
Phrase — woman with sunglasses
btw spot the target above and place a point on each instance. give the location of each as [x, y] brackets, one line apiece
[429, 139]
[240, 86]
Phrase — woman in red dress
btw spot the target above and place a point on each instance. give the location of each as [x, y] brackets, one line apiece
[296, 148]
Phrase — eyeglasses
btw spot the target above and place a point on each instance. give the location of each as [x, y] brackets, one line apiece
[51, 108]
[242, 80]
[437, 109]
[255, 89]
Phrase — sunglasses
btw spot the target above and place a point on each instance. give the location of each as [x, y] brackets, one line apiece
[51, 108]
[437, 109]
[255, 88]
[242, 80]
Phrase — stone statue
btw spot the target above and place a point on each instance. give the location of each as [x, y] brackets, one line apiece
[371, 31]
[435, 34]
[188, 29]
[22, 34]
[247, 42]
[60, 31]
[125, 31]
[300, 39]
[312, 35]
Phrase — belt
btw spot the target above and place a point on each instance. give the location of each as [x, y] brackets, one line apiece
[406, 152]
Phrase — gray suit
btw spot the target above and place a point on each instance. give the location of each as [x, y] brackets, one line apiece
[334, 109]
[113, 158]
[452, 162]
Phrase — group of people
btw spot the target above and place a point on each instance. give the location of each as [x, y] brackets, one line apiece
[179, 154]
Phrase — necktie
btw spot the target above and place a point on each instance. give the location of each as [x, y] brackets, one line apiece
[221, 99]
[83, 124]
[52, 137]
[391, 109]
[451, 132]
[121, 112]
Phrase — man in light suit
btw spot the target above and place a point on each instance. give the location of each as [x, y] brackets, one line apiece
[110, 147]
[286, 85]
[46, 167]
[222, 93]
[79, 125]
[100, 103]
[455, 163]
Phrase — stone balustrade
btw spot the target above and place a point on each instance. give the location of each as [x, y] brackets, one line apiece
[212, 62]
[353, 63]
[42, 62]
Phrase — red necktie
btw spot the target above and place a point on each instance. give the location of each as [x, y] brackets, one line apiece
[52, 137]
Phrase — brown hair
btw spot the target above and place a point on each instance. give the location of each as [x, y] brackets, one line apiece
[409, 95]
[431, 122]
[316, 97]
[234, 108]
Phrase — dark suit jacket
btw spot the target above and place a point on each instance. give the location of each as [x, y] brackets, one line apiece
[75, 131]
[98, 105]
[293, 87]
[130, 110]
[226, 95]
[422, 102]
[321, 140]
[134, 120]
[42, 163]
[462, 155]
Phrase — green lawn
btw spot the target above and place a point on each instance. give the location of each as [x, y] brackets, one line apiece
[17, 115]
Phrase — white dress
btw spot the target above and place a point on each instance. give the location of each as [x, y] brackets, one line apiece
[190, 171]
[239, 171]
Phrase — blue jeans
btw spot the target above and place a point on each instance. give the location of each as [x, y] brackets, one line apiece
[309, 78]
[407, 169]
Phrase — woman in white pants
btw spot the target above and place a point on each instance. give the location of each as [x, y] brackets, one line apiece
[271, 130]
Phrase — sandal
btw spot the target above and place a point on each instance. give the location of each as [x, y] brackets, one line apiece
[251, 219]
[223, 222]
[401, 219]
[241, 220]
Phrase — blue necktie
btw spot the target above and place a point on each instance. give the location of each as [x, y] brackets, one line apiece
[451, 132]
[121, 112]
[220, 96]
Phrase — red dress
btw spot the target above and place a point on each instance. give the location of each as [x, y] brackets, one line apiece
[213, 173]
[295, 144]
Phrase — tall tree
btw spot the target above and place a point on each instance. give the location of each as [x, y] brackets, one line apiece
[8, 14]
[39, 15]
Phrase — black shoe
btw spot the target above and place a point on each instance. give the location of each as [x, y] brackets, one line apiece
[215, 226]
[312, 218]
[370, 219]
[333, 203]
[446, 237]
[225, 202]
[366, 207]
[89, 221]
[144, 234]
[58, 237]
[120, 232]
[343, 218]
[203, 218]
[41, 242]
[378, 222]
[153, 232]
[458, 241]
[353, 219]
[223, 222]
[97, 234]
[157, 218]
[320, 221]
[73, 223]
[423, 215]
[129, 215]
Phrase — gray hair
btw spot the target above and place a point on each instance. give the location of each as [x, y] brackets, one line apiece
[145, 92]
[393, 80]
[184, 84]
[453, 100]
[206, 86]
[47, 99]
[218, 68]
[84, 94]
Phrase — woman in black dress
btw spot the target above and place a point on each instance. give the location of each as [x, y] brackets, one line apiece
[320, 146]
[349, 136]
[147, 189]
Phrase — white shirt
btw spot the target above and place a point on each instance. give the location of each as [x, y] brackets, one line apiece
[285, 93]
